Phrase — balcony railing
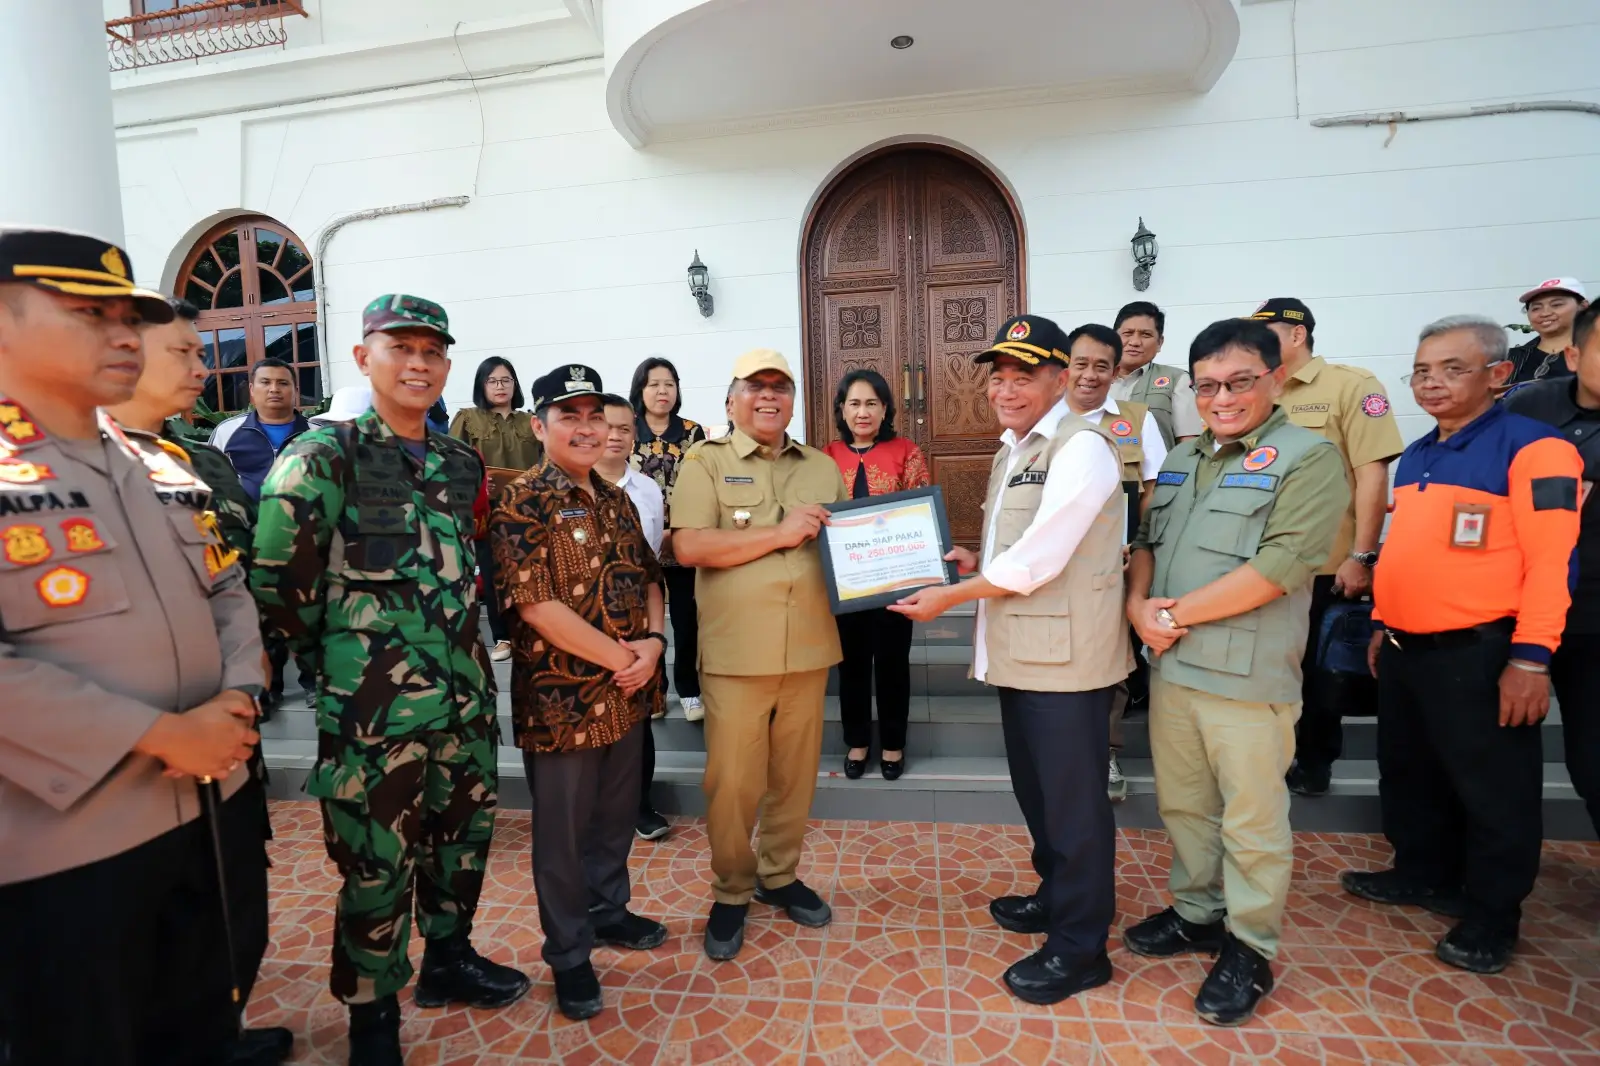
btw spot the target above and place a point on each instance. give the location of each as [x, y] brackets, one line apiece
[194, 31]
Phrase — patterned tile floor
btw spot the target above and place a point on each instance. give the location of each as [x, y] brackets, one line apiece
[909, 971]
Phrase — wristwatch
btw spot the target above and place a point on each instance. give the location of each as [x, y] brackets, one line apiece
[662, 637]
[1366, 559]
[1165, 616]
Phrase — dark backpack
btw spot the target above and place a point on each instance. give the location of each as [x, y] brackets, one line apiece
[1342, 680]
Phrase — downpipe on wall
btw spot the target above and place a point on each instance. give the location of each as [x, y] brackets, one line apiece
[321, 265]
[1393, 119]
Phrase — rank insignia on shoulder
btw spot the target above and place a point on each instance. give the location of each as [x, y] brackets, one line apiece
[1161, 382]
[1121, 428]
[1267, 482]
[81, 536]
[174, 450]
[25, 545]
[16, 425]
[169, 473]
[22, 472]
[1172, 477]
[63, 587]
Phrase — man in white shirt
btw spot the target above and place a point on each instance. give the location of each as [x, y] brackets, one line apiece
[1051, 638]
[651, 505]
[1093, 353]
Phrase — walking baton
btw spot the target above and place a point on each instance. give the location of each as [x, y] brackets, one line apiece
[211, 812]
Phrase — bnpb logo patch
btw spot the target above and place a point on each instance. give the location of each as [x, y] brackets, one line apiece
[1161, 382]
[1260, 459]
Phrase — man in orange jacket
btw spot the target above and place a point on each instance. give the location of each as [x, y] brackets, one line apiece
[1472, 590]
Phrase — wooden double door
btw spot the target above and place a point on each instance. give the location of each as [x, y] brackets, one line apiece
[911, 262]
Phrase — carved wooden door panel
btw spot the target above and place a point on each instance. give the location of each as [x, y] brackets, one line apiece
[912, 262]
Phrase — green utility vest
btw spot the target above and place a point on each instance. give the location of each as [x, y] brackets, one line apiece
[1198, 537]
[1158, 398]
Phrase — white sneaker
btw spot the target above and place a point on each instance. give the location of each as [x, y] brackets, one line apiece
[692, 709]
[501, 652]
[1116, 784]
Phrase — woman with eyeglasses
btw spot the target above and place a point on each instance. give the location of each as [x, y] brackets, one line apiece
[877, 643]
[503, 435]
[663, 437]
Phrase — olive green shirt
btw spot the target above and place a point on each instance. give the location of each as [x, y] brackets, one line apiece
[1313, 496]
[772, 614]
[505, 441]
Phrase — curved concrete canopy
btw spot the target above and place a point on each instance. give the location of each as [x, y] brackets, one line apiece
[686, 67]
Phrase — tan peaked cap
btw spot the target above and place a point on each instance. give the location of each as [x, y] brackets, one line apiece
[759, 359]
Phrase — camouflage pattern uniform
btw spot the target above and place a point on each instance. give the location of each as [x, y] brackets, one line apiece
[364, 558]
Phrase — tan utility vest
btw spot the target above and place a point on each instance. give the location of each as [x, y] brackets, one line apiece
[1200, 536]
[1126, 428]
[1070, 634]
[1157, 397]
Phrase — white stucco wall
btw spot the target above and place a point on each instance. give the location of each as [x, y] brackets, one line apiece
[574, 245]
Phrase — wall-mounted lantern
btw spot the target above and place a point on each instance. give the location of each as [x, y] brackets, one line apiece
[1144, 254]
[700, 285]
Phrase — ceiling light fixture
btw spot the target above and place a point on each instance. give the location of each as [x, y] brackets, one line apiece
[902, 42]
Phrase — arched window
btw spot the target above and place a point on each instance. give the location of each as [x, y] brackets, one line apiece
[253, 282]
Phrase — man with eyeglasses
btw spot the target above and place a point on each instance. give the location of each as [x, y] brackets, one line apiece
[1347, 405]
[746, 511]
[1472, 593]
[1219, 588]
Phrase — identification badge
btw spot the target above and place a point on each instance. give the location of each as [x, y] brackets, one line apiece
[1027, 477]
[573, 512]
[1470, 526]
[738, 481]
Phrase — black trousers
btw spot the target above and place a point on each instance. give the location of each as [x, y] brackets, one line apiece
[491, 600]
[685, 630]
[1460, 794]
[122, 962]
[584, 807]
[647, 768]
[877, 658]
[1576, 675]
[1056, 746]
[1319, 734]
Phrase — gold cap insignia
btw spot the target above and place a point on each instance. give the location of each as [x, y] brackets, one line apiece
[112, 261]
[1019, 332]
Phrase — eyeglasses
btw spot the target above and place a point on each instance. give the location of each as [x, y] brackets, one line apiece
[507, 382]
[1449, 374]
[1238, 385]
[780, 388]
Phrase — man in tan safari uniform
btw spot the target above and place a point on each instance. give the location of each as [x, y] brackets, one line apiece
[1052, 638]
[745, 512]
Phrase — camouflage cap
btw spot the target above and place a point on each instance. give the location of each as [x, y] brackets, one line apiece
[398, 311]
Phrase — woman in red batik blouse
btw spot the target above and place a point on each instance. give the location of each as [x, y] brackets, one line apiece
[877, 643]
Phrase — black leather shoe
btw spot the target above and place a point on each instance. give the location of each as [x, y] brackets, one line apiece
[452, 972]
[1020, 914]
[725, 930]
[1238, 981]
[854, 768]
[1044, 979]
[268, 702]
[578, 992]
[892, 770]
[1394, 889]
[1476, 947]
[375, 1033]
[632, 931]
[1168, 933]
[1306, 780]
[803, 906]
[261, 1047]
[651, 826]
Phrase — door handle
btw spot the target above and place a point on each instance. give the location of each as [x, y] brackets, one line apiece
[905, 384]
[922, 387]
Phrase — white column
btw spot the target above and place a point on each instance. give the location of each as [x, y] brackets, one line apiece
[58, 146]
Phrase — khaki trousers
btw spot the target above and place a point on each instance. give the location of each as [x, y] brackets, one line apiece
[763, 742]
[1219, 767]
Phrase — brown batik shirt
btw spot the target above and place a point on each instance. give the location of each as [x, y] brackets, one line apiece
[554, 541]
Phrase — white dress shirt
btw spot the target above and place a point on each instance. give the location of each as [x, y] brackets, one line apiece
[1081, 477]
[1185, 415]
[647, 499]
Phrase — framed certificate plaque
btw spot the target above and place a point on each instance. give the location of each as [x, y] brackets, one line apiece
[880, 549]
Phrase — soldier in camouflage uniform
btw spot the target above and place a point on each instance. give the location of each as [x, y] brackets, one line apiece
[364, 557]
[173, 377]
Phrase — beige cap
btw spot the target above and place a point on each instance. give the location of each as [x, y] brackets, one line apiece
[754, 362]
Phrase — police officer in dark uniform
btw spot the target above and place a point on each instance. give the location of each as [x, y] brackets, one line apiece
[131, 662]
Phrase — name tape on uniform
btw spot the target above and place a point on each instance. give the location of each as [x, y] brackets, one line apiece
[1172, 477]
[1268, 482]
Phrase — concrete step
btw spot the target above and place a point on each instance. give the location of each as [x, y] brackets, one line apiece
[968, 789]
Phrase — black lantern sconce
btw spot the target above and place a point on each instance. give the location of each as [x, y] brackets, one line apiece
[1144, 254]
[700, 285]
